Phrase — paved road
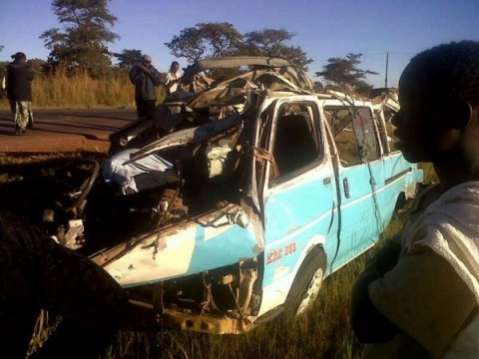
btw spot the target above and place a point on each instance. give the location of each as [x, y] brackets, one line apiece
[64, 131]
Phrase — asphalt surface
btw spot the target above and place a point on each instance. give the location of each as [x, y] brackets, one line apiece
[64, 131]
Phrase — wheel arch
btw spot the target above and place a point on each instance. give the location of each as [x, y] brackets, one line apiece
[314, 249]
[314, 260]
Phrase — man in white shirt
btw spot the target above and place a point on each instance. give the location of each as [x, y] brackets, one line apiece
[173, 77]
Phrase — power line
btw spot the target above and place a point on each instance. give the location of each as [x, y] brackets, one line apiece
[386, 74]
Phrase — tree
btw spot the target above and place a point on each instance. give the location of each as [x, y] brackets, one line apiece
[206, 40]
[344, 71]
[273, 42]
[222, 39]
[82, 45]
[128, 57]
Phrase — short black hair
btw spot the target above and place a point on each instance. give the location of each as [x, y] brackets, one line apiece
[175, 63]
[448, 70]
[19, 56]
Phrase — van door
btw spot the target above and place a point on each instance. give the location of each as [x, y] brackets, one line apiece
[361, 176]
[299, 192]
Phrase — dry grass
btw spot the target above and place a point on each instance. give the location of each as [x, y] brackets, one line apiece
[39, 158]
[81, 91]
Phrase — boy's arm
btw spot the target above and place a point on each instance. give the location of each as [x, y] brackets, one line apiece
[369, 325]
[424, 297]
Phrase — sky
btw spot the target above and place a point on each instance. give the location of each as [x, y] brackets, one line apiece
[323, 28]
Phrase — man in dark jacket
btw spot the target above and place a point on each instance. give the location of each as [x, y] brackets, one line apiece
[19, 92]
[145, 78]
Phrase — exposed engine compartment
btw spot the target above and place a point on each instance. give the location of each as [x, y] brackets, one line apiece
[233, 290]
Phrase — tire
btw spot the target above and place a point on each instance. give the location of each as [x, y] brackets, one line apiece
[307, 284]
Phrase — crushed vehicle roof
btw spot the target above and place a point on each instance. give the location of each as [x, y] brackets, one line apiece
[200, 91]
[265, 73]
[224, 98]
[237, 61]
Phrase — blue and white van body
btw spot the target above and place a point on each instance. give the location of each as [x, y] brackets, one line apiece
[259, 248]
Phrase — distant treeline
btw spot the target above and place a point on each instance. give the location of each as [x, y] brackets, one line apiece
[82, 71]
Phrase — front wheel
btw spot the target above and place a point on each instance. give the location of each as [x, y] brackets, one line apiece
[307, 283]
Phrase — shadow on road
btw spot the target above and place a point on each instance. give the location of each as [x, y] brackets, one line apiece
[64, 130]
[9, 132]
[126, 118]
[74, 125]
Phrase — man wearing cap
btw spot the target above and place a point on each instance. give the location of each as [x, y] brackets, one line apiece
[145, 78]
[18, 85]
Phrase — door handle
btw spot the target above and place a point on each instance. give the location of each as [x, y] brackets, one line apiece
[347, 193]
[327, 180]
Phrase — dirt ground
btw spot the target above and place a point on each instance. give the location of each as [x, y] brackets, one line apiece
[64, 131]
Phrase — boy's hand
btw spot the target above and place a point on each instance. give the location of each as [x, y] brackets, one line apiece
[385, 258]
[369, 325]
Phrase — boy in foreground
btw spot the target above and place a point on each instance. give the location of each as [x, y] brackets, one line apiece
[418, 297]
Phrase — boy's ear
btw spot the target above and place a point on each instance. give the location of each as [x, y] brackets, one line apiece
[459, 113]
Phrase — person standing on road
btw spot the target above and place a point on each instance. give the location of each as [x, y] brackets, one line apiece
[145, 78]
[173, 77]
[18, 84]
[419, 295]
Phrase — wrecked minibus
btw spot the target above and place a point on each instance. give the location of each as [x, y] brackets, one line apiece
[233, 203]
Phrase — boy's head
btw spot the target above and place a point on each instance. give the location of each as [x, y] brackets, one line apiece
[439, 97]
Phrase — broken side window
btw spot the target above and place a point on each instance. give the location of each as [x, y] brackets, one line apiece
[354, 133]
[382, 130]
[363, 124]
[391, 137]
[296, 139]
[341, 124]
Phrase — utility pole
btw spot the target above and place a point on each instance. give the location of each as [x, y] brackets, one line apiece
[386, 76]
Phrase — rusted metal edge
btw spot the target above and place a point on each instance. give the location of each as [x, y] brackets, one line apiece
[210, 323]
